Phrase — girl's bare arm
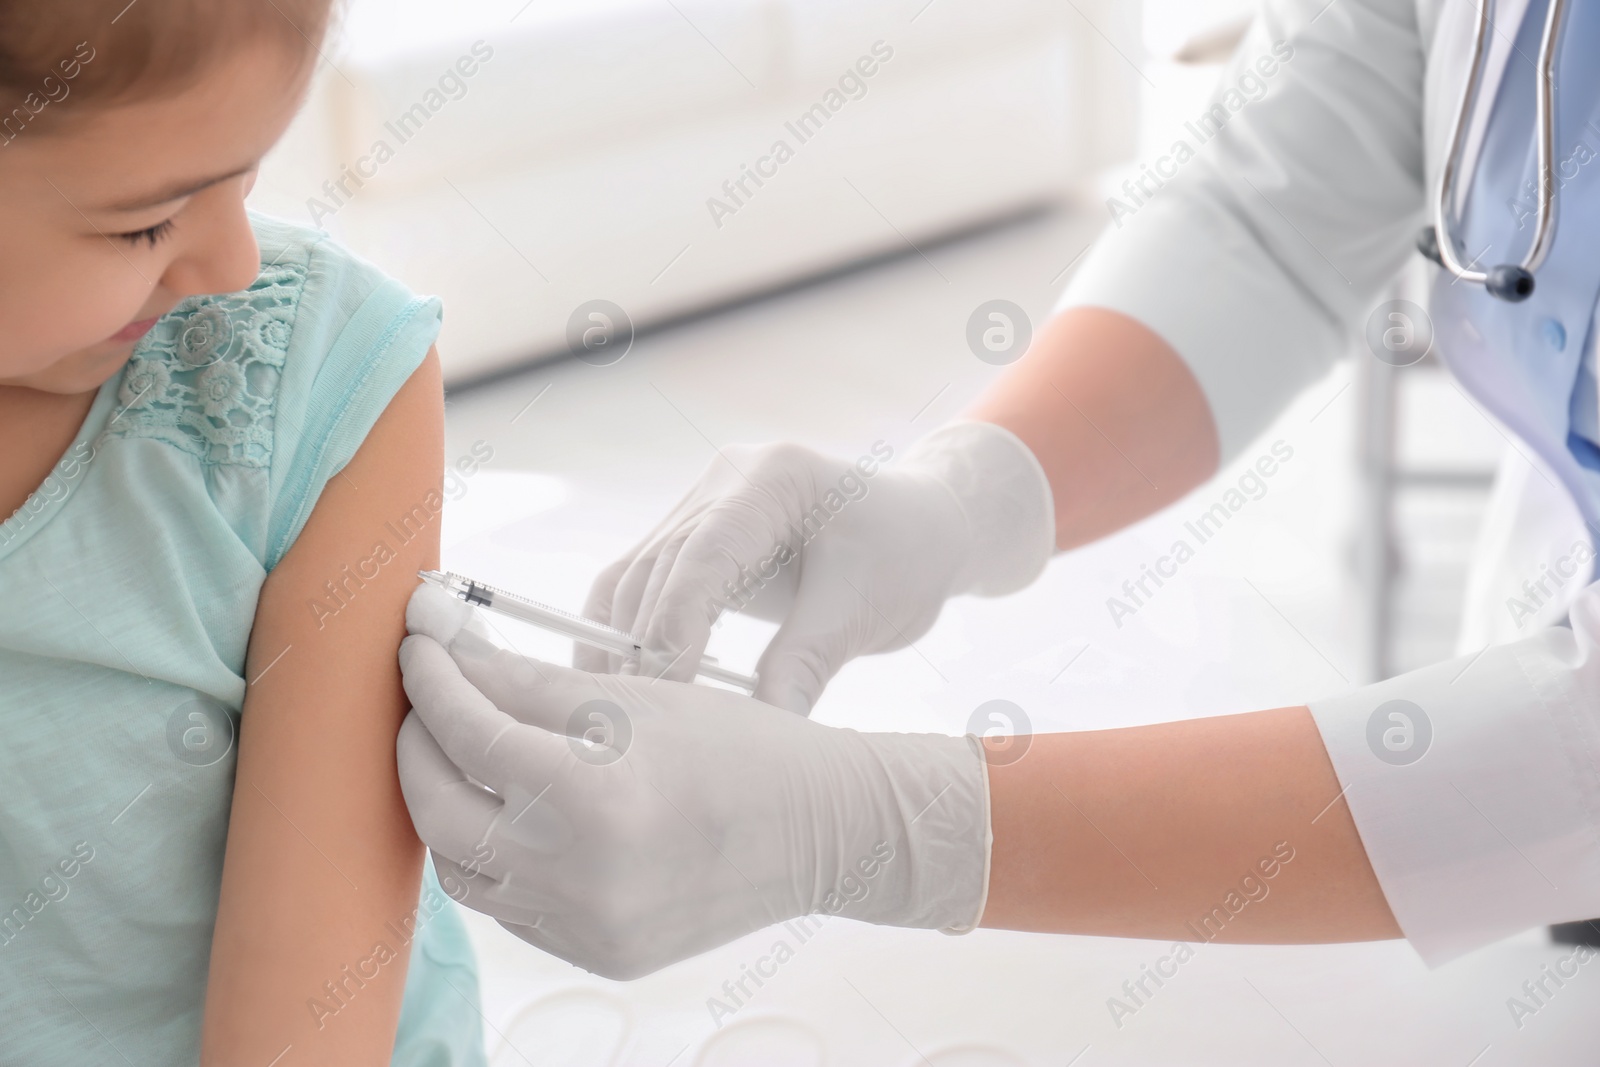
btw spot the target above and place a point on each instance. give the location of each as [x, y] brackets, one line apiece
[323, 868]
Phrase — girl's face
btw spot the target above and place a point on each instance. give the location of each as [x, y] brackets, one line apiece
[110, 218]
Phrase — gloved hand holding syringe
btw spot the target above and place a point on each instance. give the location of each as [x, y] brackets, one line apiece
[585, 631]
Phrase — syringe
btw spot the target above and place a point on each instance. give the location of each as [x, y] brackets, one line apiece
[585, 631]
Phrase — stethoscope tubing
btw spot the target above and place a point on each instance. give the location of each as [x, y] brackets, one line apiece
[1507, 281]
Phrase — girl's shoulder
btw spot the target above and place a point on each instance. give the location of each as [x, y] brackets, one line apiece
[286, 377]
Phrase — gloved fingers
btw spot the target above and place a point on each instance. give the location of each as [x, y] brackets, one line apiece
[819, 636]
[517, 684]
[540, 694]
[736, 509]
[594, 660]
[452, 814]
[635, 577]
[531, 823]
[618, 963]
[468, 885]
[597, 605]
[452, 622]
[460, 884]
[673, 651]
[660, 564]
[601, 604]
[598, 608]
[630, 590]
[725, 563]
[523, 931]
[485, 742]
[545, 935]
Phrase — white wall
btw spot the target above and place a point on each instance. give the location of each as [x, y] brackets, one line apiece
[583, 155]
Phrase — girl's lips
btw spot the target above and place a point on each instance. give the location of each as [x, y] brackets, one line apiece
[134, 330]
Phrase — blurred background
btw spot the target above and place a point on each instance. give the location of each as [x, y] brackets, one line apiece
[540, 162]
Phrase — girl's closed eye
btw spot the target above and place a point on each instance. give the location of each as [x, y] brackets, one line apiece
[150, 234]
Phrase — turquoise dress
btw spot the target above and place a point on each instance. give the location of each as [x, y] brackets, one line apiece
[128, 586]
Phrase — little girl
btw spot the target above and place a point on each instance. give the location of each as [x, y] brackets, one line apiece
[207, 420]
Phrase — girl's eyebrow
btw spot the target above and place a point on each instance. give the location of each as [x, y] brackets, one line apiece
[175, 192]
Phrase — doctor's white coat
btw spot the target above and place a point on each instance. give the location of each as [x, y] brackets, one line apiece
[1255, 261]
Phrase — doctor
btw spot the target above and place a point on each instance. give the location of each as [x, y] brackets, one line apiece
[1453, 806]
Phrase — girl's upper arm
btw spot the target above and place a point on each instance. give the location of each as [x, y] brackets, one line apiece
[322, 863]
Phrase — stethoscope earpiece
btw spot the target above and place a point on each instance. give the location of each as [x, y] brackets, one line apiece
[1507, 282]
[1510, 283]
[1428, 245]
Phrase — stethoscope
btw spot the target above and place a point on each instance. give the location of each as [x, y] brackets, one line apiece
[1512, 282]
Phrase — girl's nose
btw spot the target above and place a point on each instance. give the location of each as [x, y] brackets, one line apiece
[219, 253]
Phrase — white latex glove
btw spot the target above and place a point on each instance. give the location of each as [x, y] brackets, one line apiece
[703, 814]
[849, 558]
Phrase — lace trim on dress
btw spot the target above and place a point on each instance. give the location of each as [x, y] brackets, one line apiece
[205, 379]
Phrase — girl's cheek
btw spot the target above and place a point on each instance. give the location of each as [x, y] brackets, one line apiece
[60, 309]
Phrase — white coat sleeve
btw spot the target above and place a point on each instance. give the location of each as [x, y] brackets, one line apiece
[1475, 786]
[1277, 234]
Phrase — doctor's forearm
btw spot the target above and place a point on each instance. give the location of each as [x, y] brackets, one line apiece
[1221, 829]
[1114, 416]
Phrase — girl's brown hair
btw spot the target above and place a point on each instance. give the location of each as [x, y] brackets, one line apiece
[109, 51]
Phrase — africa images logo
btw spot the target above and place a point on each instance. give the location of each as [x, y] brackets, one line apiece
[1248, 87]
[851, 85]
